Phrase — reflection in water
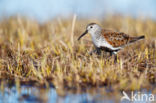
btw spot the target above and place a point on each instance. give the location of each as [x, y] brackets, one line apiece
[35, 95]
[28, 94]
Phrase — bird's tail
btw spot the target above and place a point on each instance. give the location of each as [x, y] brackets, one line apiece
[134, 39]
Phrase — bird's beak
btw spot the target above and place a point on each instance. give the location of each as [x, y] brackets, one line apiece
[83, 34]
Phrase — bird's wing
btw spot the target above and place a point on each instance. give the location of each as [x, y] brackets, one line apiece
[116, 39]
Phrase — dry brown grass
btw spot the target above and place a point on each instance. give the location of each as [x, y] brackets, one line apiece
[49, 53]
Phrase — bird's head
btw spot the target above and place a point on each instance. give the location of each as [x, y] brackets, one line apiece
[91, 28]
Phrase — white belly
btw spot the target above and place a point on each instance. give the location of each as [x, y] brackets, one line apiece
[101, 42]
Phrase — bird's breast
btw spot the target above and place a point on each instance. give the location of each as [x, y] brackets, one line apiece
[96, 41]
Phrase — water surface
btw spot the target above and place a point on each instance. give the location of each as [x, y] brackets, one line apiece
[30, 94]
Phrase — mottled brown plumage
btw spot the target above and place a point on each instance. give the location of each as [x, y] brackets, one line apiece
[117, 39]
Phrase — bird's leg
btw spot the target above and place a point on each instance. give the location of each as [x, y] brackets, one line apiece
[115, 57]
[111, 53]
[97, 51]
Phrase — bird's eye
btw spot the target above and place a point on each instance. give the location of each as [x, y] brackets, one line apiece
[91, 27]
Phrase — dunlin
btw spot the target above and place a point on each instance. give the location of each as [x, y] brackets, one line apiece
[108, 40]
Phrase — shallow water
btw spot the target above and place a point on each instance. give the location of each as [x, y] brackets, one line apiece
[30, 94]
[38, 95]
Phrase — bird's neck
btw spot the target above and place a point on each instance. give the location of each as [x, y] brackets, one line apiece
[96, 34]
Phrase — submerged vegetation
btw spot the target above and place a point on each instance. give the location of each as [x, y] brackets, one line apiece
[49, 54]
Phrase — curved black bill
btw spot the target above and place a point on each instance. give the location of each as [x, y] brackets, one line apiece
[83, 34]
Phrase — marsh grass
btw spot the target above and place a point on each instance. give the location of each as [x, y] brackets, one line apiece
[49, 54]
